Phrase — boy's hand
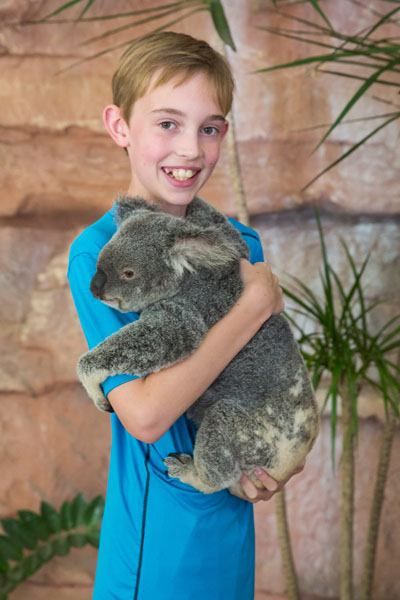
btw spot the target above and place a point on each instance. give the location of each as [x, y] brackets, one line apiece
[262, 286]
[267, 485]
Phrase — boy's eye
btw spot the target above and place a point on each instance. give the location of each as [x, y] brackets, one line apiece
[166, 124]
[211, 130]
[127, 274]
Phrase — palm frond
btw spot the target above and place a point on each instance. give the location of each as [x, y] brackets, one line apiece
[356, 97]
[160, 14]
[353, 148]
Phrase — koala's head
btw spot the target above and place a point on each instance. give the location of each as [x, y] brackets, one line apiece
[151, 253]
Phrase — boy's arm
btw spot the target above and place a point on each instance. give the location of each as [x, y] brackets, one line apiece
[148, 407]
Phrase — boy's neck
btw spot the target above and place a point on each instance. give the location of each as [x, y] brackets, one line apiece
[173, 209]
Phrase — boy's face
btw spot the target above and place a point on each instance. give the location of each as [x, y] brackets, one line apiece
[173, 141]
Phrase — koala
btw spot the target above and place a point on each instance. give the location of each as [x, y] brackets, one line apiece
[183, 275]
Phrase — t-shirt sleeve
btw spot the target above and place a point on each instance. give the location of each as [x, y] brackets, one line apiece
[256, 253]
[98, 321]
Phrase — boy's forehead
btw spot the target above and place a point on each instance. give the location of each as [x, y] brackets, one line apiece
[158, 98]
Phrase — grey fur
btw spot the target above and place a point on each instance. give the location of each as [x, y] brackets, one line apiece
[261, 410]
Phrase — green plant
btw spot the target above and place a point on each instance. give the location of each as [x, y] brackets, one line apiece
[32, 539]
[342, 345]
[367, 55]
[179, 11]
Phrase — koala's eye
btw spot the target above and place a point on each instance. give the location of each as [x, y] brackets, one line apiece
[127, 274]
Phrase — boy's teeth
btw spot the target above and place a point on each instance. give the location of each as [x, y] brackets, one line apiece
[180, 174]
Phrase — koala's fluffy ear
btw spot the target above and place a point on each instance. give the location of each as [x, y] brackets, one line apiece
[126, 206]
[194, 248]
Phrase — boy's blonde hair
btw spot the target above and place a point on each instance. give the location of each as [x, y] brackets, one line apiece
[173, 54]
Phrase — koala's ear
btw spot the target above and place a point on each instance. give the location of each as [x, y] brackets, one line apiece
[126, 206]
[195, 248]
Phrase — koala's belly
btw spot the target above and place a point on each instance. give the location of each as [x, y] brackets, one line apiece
[232, 440]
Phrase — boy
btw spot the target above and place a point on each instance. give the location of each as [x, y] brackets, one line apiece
[160, 538]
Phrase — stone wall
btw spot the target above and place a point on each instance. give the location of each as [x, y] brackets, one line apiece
[59, 171]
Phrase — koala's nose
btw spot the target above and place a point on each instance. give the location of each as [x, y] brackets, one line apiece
[97, 283]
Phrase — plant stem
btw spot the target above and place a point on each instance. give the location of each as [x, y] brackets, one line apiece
[376, 508]
[289, 569]
[346, 499]
[235, 172]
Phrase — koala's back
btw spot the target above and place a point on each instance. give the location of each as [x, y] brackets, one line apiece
[268, 376]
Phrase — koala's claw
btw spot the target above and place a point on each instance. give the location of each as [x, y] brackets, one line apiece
[178, 463]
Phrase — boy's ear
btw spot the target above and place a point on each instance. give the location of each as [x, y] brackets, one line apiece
[193, 248]
[115, 125]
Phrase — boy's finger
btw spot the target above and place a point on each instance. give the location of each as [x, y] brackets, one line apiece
[268, 482]
[248, 487]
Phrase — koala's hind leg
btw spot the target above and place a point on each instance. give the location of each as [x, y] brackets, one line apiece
[214, 465]
[181, 466]
[198, 474]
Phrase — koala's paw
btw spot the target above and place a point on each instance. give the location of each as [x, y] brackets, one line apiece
[178, 464]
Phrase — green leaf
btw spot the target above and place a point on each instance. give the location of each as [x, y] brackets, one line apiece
[163, 27]
[94, 511]
[19, 535]
[130, 25]
[34, 523]
[46, 552]
[381, 21]
[32, 563]
[10, 549]
[317, 7]
[86, 8]
[359, 93]
[386, 326]
[17, 574]
[93, 537]
[62, 8]
[359, 78]
[61, 546]
[3, 596]
[350, 151]
[50, 516]
[3, 565]
[117, 15]
[78, 507]
[310, 309]
[389, 336]
[220, 22]
[332, 57]
[66, 517]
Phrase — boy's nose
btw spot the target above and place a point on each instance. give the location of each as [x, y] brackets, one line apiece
[188, 146]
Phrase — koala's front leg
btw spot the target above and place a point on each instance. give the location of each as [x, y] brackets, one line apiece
[158, 339]
[92, 375]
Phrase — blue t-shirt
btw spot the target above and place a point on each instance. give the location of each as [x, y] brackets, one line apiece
[160, 538]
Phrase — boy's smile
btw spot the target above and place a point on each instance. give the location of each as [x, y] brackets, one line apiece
[173, 141]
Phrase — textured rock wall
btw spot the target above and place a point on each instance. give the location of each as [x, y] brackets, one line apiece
[59, 170]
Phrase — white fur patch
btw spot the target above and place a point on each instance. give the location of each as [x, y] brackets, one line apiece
[291, 452]
[92, 383]
[297, 388]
